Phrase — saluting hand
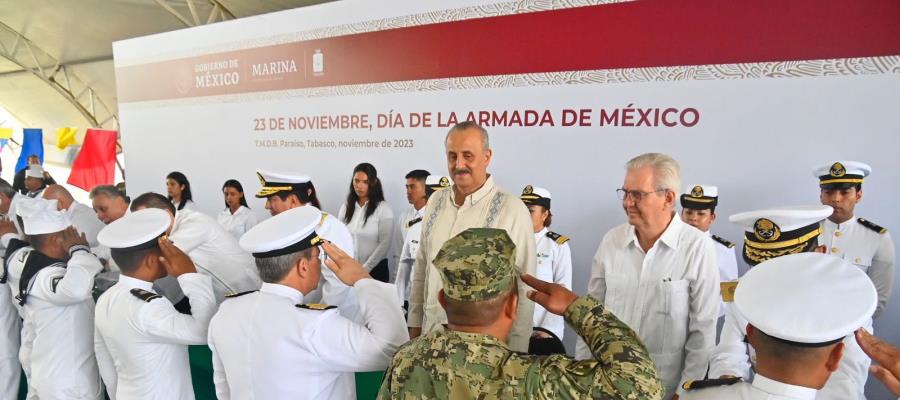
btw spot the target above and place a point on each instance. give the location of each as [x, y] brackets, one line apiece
[71, 237]
[345, 267]
[887, 356]
[173, 259]
[553, 297]
[7, 226]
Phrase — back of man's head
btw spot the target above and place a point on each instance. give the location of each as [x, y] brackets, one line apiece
[798, 363]
[130, 261]
[6, 195]
[109, 191]
[152, 200]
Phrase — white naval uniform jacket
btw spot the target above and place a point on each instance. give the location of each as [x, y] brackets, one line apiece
[331, 290]
[871, 251]
[142, 342]
[10, 328]
[60, 311]
[728, 269]
[266, 347]
[669, 296]
[733, 356]
[554, 264]
[407, 259]
[26, 336]
[487, 207]
[762, 388]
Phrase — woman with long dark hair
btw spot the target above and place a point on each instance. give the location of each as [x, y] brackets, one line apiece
[237, 217]
[179, 190]
[370, 220]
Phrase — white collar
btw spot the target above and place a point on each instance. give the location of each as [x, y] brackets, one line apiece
[669, 236]
[130, 282]
[831, 224]
[292, 294]
[540, 233]
[783, 389]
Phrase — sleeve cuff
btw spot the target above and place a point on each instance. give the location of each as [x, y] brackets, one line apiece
[581, 308]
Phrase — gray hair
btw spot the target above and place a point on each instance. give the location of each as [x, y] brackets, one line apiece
[465, 125]
[274, 269]
[108, 191]
[666, 171]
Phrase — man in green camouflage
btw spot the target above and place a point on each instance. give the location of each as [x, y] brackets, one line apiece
[471, 360]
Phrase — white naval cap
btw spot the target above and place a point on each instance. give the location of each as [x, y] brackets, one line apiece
[34, 171]
[700, 197]
[808, 299]
[135, 231]
[436, 182]
[774, 232]
[533, 195]
[288, 232]
[841, 174]
[41, 216]
[274, 182]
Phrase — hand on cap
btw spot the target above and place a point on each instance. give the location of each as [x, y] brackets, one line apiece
[7, 226]
[553, 297]
[345, 267]
[887, 356]
[173, 259]
[71, 237]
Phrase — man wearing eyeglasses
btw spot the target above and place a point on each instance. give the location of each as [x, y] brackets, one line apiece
[659, 275]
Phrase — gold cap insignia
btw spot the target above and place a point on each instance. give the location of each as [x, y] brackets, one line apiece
[262, 181]
[444, 182]
[316, 240]
[697, 191]
[838, 170]
[766, 230]
[528, 190]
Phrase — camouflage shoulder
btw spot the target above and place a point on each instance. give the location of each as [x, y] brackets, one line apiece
[709, 383]
[871, 225]
[559, 239]
[315, 307]
[145, 295]
[233, 295]
[723, 241]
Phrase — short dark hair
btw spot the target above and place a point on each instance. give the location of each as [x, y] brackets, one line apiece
[477, 313]
[129, 261]
[418, 174]
[305, 193]
[153, 200]
[274, 269]
[773, 348]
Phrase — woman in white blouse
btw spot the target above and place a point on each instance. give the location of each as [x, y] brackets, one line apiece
[179, 191]
[237, 217]
[370, 220]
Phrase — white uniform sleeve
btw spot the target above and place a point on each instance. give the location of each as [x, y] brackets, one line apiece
[404, 268]
[596, 288]
[105, 364]
[703, 313]
[160, 319]
[728, 270]
[882, 271]
[189, 236]
[70, 285]
[385, 233]
[223, 392]
[344, 346]
[562, 275]
[730, 356]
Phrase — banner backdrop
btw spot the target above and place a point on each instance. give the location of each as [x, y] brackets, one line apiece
[748, 97]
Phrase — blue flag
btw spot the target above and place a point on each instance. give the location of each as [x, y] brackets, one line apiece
[32, 144]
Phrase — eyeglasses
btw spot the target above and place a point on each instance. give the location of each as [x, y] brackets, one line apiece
[635, 195]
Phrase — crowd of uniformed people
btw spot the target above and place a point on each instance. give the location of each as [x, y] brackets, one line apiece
[465, 295]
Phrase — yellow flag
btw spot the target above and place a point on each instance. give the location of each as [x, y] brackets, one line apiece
[6, 133]
[65, 137]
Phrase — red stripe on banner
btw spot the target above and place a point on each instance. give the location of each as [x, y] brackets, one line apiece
[635, 34]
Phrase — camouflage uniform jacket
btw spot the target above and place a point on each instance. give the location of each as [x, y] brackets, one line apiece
[459, 365]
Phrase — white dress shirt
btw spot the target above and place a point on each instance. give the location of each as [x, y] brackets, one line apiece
[372, 237]
[265, 347]
[762, 389]
[60, 310]
[668, 295]
[239, 222]
[554, 264]
[141, 345]
[10, 328]
[85, 220]
[871, 251]
[407, 259]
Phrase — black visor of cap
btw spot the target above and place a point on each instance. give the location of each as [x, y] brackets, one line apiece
[309, 241]
[698, 203]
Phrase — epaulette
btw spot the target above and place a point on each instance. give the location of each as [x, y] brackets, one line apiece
[706, 383]
[723, 241]
[317, 307]
[559, 239]
[324, 216]
[144, 295]
[869, 224]
[233, 295]
[413, 222]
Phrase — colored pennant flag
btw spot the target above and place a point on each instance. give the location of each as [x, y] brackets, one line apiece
[3, 143]
[32, 144]
[96, 164]
[6, 133]
[65, 137]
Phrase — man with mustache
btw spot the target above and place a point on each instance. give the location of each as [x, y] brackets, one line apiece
[473, 201]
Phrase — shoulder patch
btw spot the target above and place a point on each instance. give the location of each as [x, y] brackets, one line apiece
[871, 225]
[706, 383]
[233, 295]
[413, 222]
[723, 241]
[317, 307]
[144, 295]
[559, 239]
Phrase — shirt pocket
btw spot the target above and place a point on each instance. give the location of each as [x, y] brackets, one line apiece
[673, 311]
[863, 261]
[617, 287]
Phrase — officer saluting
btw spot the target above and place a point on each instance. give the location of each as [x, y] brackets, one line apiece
[797, 332]
[141, 339]
[271, 344]
[857, 240]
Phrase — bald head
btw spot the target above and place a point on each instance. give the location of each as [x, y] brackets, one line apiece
[60, 194]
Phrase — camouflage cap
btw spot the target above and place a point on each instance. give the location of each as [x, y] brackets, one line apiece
[477, 264]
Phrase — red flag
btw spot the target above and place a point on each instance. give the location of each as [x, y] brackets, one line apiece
[96, 163]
